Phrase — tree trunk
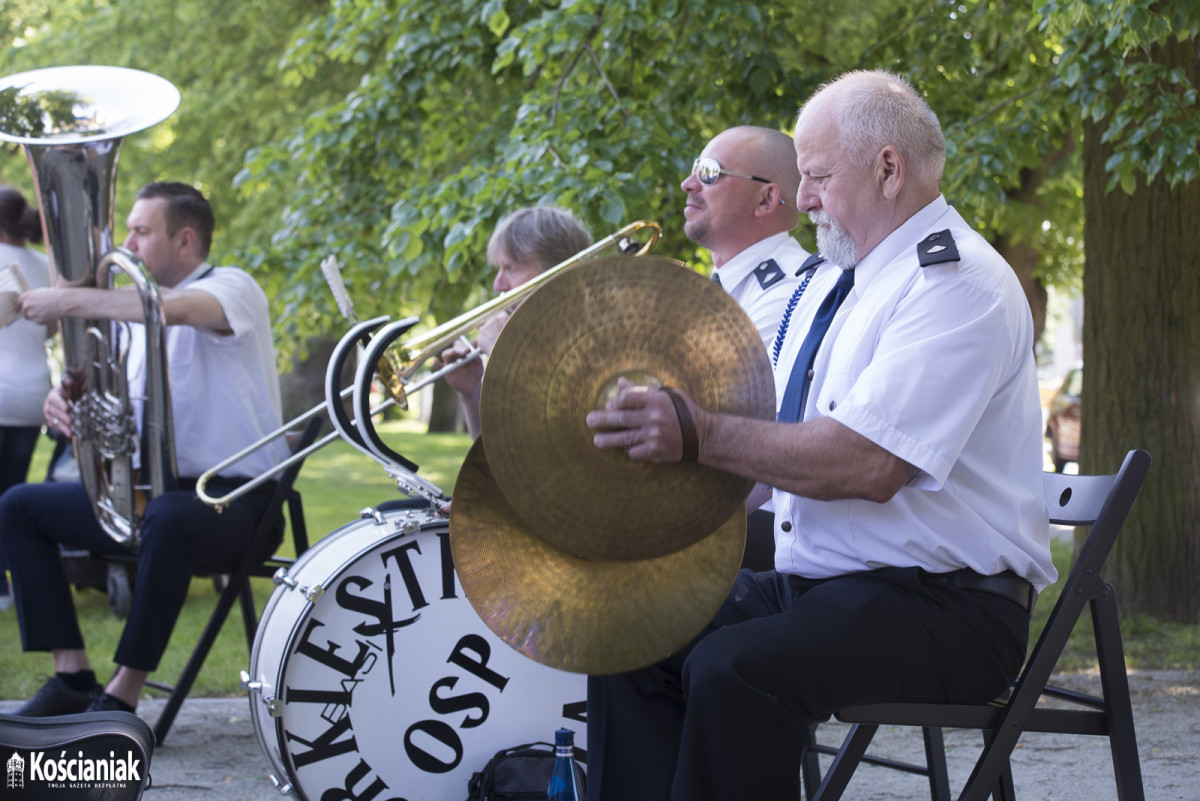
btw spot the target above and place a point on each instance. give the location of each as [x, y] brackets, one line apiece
[1141, 344]
[444, 415]
[1023, 259]
[303, 387]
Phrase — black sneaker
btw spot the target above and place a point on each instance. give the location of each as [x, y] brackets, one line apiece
[109, 703]
[55, 697]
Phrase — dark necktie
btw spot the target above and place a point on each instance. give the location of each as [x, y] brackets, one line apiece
[798, 382]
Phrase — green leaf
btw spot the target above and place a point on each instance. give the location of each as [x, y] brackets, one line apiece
[1071, 74]
[612, 211]
[497, 18]
[1128, 180]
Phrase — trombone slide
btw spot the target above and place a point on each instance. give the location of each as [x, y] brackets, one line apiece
[398, 372]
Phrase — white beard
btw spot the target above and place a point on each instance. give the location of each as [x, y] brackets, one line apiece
[834, 243]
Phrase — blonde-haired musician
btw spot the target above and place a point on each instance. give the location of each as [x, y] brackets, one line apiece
[524, 245]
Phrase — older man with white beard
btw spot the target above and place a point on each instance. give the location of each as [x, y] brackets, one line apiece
[905, 466]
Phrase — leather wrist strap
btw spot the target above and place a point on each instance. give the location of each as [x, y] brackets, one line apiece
[687, 426]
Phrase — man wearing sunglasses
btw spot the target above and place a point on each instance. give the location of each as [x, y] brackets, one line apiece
[740, 206]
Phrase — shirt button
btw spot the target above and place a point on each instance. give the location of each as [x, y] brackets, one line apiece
[832, 405]
[811, 373]
[786, 525]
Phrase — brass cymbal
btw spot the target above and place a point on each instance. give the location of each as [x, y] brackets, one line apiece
[578, 614]
[652, 320]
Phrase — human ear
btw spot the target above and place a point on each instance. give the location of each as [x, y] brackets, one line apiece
[187, 238]
[889, 171]
[770, 199]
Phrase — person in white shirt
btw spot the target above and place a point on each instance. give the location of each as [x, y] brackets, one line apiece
[24, 370]
[740, 207]
[224, 397]
[912, 535]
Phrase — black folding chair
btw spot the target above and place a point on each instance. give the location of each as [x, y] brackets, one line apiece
[236, 586]
[1103, 502]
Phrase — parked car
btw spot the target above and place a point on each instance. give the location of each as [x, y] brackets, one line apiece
[1062, 423]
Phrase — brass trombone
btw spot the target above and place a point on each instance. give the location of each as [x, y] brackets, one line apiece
[409, 358]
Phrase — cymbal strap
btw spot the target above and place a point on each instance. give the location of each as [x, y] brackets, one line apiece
[687, 426]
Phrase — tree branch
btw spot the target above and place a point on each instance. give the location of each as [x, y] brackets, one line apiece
[554, 154]
[604, 77]
[1010, 100]
[558, 86]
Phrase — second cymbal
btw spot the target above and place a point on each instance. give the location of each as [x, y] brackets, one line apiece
[651, 320]
[576, 614]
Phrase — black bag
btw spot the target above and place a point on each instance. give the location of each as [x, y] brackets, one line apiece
[520, 772]
[92, 756]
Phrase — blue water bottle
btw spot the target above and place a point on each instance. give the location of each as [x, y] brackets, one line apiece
[564, 782]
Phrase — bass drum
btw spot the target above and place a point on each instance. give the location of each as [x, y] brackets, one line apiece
[371, 675]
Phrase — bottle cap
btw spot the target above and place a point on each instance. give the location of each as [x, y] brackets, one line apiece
[564, 737]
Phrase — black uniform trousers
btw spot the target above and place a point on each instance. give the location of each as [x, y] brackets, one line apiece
[180, 534]
[17, 444]
[760, 541]
[728, 716]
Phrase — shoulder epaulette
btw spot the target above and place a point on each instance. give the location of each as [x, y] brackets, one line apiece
[768, 273]
[937, 248]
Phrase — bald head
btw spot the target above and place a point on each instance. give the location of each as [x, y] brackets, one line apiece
[769, 153]
[873, 109]
[736, 211]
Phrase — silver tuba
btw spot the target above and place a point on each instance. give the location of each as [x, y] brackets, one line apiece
[70, 122]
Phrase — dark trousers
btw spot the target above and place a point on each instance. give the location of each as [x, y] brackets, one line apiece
[728, 716]
[181, 535]
[760, 541]
[17, 444]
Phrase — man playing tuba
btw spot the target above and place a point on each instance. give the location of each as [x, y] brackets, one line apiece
[225, 396]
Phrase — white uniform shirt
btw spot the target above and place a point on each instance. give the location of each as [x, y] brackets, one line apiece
[934, 364]
[760, 289]
[224, 389]
[24, 372]
[763, 289]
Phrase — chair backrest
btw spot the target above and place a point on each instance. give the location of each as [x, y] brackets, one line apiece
[1102, 501]
[285, 494]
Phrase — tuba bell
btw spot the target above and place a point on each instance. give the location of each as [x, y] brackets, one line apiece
[70, 121]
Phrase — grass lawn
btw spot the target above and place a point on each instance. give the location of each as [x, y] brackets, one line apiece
[336, 483]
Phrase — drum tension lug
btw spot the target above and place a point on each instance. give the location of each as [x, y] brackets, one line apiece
[371, 513]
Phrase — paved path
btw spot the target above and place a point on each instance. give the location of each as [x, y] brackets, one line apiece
[212, 753]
